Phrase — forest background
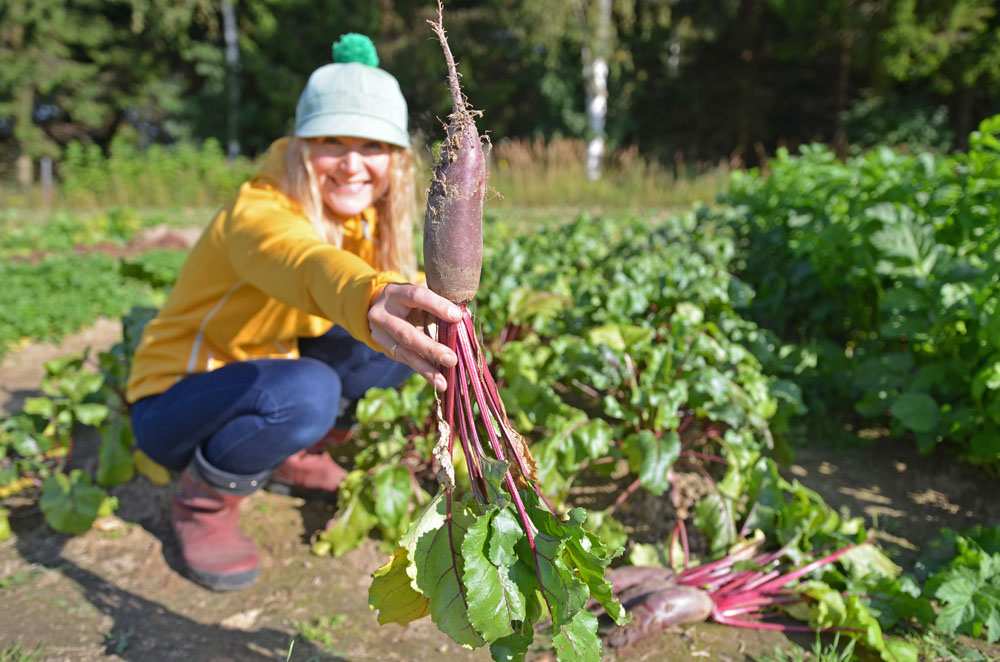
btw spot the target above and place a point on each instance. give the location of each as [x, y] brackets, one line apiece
[689, 84]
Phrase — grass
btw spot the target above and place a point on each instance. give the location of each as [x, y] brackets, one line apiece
[832, 652]
[188, 184]
[19, 578]
[941, 648]
[550, 174]
[321, 632]
[16, 653]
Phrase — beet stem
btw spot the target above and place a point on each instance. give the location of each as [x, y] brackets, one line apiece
[475, 379]
[804, 570]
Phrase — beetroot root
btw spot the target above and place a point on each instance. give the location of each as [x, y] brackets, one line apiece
[453, 223]
[656, 601]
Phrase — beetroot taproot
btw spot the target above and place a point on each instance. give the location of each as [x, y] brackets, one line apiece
[453, 223]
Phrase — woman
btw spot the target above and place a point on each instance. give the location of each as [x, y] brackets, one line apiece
[317, 246]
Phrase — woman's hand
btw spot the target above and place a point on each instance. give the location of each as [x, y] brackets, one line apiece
[396, 322]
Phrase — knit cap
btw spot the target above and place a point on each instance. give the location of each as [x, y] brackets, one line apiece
[353, 97]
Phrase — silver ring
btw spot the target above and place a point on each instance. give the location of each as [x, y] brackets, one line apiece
[392, 351]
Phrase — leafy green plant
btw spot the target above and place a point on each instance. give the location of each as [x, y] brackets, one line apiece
[874, 120]
[967, 588]
[485, 579]
[183, 174]
[25, 237]
[620, 342]
[78, 288]
[68, 385]
[886, 266]
[934, 646]
[603, 357]
[36, 444]
[116, 363]
[391, 466]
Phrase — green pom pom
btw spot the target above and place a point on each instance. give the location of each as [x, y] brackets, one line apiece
[354, 47]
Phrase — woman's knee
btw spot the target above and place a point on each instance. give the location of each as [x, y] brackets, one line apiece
[307, 400]
[151, 441]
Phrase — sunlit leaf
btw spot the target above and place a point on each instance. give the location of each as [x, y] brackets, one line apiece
[392, 595]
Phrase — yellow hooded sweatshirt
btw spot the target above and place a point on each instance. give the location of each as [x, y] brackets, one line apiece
[259, 278]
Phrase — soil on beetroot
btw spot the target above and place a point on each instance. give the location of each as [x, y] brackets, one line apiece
[116, 593]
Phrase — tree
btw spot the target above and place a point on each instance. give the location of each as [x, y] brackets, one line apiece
[84, 71]
[600, 31]
[952, 44]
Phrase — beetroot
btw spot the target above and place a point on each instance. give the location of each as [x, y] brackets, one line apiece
[453, 224]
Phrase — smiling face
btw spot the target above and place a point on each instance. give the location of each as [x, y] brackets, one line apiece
[352, 173]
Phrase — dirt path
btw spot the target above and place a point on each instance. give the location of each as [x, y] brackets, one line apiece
[116, 593]
[905, 497]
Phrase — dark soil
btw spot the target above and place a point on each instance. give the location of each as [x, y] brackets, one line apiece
[906, 498]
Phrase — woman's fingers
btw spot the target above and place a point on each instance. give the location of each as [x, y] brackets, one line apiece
[422, 367]
[392, 318]
[409, 297]
[400, 330]
[410, 357]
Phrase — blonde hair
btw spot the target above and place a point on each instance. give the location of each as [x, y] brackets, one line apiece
[394, 210]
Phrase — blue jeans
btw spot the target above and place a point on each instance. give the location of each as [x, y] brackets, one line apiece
[249, 416]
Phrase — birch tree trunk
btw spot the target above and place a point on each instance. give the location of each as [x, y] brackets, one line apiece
[231, 38]
[595, 51]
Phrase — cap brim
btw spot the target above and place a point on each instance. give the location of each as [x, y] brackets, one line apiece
[355, 126]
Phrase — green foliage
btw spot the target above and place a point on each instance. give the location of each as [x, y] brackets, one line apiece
[967, 587]
[737, 80]
[69, 387]
[953, 44]
[615, 339]
[832, 652]
[947, 649]
[79, 288]
[17, 653]
[35, 443]
[91, 67]
[25, 239]
[874, 120]
[321, 632]
[71, 502]
[116, 363]
[114, 457]
[381, 492]
[486, 579]
[886, 267]
[184, 174]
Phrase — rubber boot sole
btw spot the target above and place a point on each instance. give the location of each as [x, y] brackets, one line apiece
[287, 489]
[224, 582]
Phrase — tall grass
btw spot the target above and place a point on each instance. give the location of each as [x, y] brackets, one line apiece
[553, 173]
[523, 174]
